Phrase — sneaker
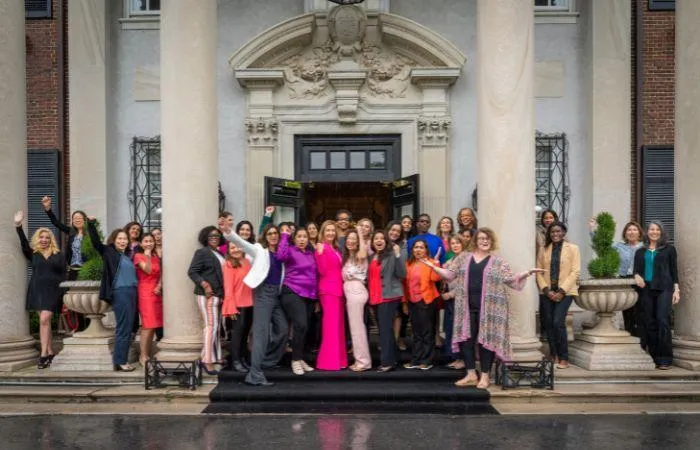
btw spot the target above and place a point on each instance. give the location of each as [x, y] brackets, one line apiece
[410, 365]
[306, 367]
[297, 367]
[425, 366]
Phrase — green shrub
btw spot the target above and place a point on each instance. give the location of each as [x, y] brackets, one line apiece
[93, 265]
[607, 262]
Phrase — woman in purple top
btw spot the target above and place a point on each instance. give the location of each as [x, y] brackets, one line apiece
[298, 291]
[332, 355]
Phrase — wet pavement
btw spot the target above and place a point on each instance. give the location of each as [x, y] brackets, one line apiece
[598, 432]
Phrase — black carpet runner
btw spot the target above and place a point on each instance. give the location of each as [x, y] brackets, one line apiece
[345, 392]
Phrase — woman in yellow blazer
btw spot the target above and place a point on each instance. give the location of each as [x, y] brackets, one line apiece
[558, 286]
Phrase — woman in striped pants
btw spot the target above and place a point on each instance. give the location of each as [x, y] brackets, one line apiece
[206, 272]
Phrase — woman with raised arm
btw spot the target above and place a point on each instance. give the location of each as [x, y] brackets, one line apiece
[333, 354]
[43, 293]
[387, 269]
[118, 287]
[150, 301]
[299, 291]
[656, 275]
[238, 304]
[481, 306]
[365, 228]
[560, 262]
[356, 295]
[76, 232]
[206, 271]
[269, 322]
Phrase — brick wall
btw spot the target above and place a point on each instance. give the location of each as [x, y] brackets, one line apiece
[657, 93]
[42, 83]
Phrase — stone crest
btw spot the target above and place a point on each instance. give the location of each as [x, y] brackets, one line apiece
[347, 25]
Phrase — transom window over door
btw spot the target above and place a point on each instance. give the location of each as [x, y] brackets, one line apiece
[348, 158]
[549, 5]
[144, 7]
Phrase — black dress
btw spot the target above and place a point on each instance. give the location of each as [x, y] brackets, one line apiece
[43, 293]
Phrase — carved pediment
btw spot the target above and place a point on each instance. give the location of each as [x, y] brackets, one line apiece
[387, 48]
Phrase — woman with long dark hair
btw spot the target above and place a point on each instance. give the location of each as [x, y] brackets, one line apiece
[312, 230]
[269, 322]
[134, 230]
[150, 301]
[547, 217]
[656, 275]
[244, 229]
[118, 286]
[299, 291]
[466, 219]
[560, 264]
[75, 233]
[206, 271]
[356, 295]
[394, 231]
[43, 293]
[387, 269]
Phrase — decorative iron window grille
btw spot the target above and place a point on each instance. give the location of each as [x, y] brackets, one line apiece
[552, 173]
[145, 191]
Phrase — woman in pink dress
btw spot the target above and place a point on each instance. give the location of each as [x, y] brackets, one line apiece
[332, 355]
[149, 293]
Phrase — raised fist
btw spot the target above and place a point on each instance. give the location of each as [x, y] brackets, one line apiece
[46, 202]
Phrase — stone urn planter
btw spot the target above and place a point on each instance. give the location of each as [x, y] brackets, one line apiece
[91, 349]
[604, 347]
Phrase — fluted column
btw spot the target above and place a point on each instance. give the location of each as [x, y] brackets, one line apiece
[189, 164]
[687, 160]
[16, 345]
[506, 148]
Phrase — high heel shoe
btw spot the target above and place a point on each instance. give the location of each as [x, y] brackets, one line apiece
[43, 362]
[124, 368]
[205, 369]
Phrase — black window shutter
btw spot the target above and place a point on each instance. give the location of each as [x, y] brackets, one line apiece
[43, 178]
[37, 9]
[658, 186]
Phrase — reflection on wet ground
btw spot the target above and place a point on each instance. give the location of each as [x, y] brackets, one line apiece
[349, 432]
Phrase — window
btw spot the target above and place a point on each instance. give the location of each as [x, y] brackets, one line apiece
[549, 5]
[555, 11]
[144, 7]
[37, 9]
[662, 5]
[552, 173]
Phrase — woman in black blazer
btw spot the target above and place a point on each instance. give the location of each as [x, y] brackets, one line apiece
[206, 272]
[656, 274]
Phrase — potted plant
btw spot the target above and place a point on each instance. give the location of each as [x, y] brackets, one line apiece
[604, 347]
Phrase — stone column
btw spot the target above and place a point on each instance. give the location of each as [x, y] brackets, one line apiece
[188, 39]
[16, 345]
[88, 52]
[687, 160]
[506, 149]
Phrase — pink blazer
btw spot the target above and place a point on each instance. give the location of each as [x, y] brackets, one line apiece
[330, 270]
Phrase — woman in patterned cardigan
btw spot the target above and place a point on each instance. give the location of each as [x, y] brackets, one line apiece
[481, 305]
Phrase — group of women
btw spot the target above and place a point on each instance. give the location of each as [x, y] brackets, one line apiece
[292, 272]
[270, 291]
[130, 279]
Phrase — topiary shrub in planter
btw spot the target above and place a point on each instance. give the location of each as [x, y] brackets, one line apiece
[93, 265]
[607, 261]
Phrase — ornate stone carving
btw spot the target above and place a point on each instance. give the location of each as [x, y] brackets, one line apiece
[388, 74]
[262, 132]
[434, 130]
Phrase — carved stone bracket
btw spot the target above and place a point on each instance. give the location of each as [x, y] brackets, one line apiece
[434, 130]
[347, 93]
[261, 132]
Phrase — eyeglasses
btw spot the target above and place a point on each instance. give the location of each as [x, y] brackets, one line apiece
[483, 239]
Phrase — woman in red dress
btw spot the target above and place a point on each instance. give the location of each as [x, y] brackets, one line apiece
[149, 292]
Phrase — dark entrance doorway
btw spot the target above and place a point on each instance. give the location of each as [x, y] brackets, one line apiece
[360, 173]
[364, 199]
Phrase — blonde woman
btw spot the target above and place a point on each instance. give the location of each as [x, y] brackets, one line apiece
[43, 293]
[365, 228]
